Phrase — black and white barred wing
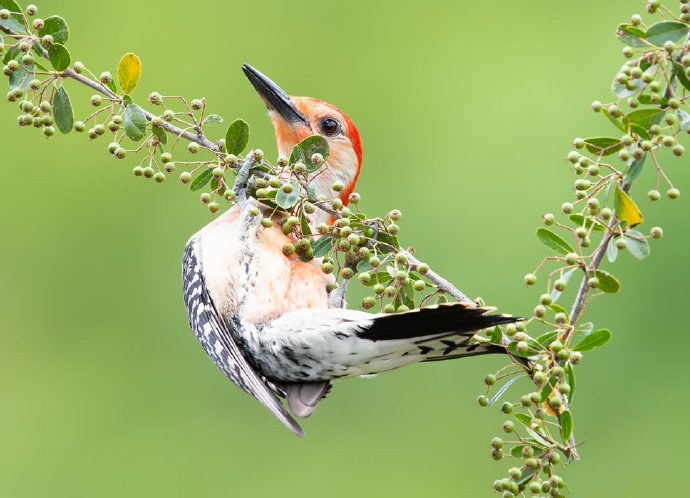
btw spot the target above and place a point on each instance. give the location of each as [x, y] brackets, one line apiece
[217, 340]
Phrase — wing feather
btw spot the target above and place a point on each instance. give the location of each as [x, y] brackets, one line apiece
[216, 337]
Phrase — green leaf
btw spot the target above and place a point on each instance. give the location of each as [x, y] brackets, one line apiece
[160, 134]
[587, 222]
[237, 137]
[603, 146]
[304, 223]
[613, 120]
[638, 246]
[570, 372]
[663, 31]
[59, 57]
[110, 85]
[21, 77]
[496, 335]
[303, 151]
[594, 340]
[62, 111]
[634, 169]
[607, 282]
[538, 438]
[622, 90]
[213, 119]
[126, 99]
[631, 35]
[56, 27]
[516, 451]
[524, 419]
[626, 209]
[644, 117]
[285, 200]
[566, 425]
[322, 246]
[555, 294]
[553, 241]
[679, 72]
[201, 180]
[557, 308]
[612, 253]
[547, 338]
[683, 120]
[135, 122]
[14, 22]
[128, 72]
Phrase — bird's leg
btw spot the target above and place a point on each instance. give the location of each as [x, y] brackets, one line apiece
[337, 299]
[248, 226]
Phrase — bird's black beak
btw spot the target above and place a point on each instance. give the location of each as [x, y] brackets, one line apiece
[274, 96]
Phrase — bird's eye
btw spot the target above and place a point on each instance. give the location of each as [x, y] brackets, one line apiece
[329, 126]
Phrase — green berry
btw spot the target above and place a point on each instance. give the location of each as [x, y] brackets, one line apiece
[49, 131]
[120, 153]
[673, 193]
[389, 308]
[490, 380]
[656, 232]
[193, 147]
[530, 279]
[549, 219]
[508, 426]
[166, 157]
[96, 100]
[159, 177]
[567, 208]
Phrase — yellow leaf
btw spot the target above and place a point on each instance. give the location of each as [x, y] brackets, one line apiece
[128, 72]
[626, 209]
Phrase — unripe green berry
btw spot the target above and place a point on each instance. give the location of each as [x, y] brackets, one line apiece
[79, 126]
[656, 232]
[483, 401]
[567, 208]
[96, 100]
[368, 302]
[159, 177]
[149, 172]
[673, 193]
[193, 147]
[549, 219]
[508, 426]
[530, 279]
[389, 308]
[197, 104]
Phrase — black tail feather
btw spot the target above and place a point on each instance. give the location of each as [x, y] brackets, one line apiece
[434, 321]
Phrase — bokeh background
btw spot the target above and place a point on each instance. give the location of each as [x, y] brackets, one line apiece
[466, 110]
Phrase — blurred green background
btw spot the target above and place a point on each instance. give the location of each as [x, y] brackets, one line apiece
[466, 110]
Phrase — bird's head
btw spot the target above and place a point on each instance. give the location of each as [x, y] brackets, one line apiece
[296, 118]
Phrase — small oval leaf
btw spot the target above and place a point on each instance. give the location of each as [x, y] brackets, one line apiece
[303, 151]
[128, 72]
[638, 246]
[554, 242]
[213, 119]
[566, 425]
[285, 200]
[201, 180]
[62, 111]
[59, 57]
[603, 146]
[135, 122]
[56, 27]
[594, 340]
[160, 134]
[237, 137]
[626, 209]
[663, 31]
[607, 282]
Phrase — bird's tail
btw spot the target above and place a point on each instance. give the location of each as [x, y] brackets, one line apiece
[440, 332]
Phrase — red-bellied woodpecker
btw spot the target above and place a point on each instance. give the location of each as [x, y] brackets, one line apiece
[264, 317]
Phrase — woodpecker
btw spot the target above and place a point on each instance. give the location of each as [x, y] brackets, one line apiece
[264, 318]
